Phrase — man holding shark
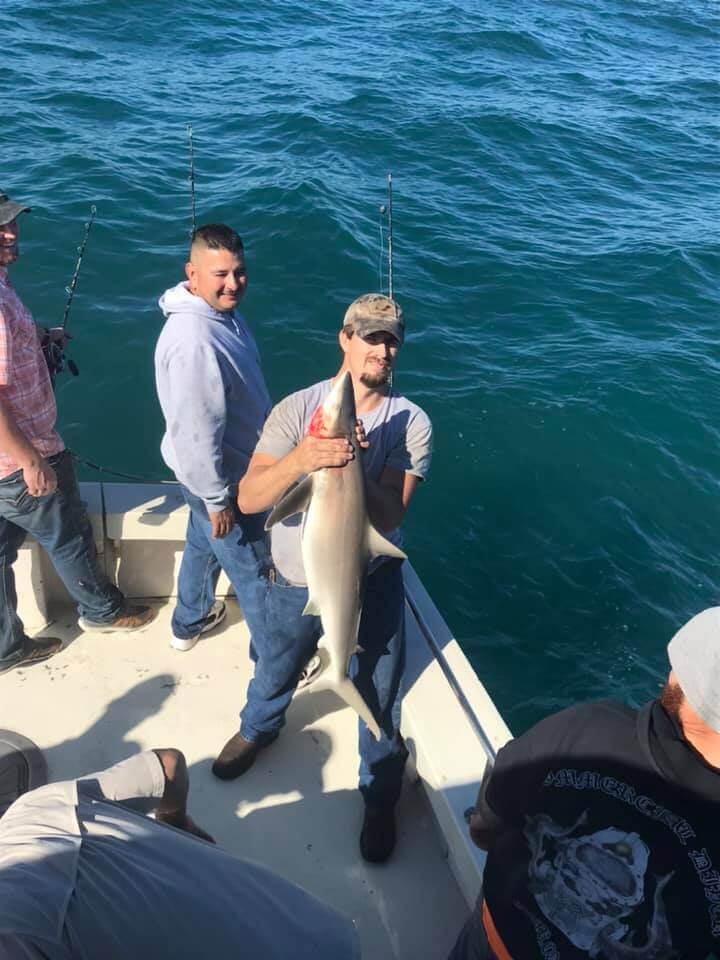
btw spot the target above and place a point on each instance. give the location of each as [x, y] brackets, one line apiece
[306, 448]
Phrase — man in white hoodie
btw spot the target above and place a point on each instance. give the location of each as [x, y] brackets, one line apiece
[214, 399]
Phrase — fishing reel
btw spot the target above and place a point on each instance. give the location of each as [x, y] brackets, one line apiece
[53, 342]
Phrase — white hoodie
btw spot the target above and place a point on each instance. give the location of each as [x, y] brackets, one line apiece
[212, 393]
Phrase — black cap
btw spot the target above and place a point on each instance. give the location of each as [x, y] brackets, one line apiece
[9, 209]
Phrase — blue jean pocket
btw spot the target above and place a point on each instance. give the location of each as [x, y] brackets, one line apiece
[14, 493]
[276, 579]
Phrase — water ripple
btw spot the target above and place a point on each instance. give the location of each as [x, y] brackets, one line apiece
[557, 254]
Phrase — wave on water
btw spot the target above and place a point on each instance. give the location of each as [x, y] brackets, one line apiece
[556, 211]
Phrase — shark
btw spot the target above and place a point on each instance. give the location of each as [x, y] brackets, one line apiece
[338, 542]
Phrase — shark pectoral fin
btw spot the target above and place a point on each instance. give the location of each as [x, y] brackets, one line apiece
[379, 546]
[294, 501]
[311, 609]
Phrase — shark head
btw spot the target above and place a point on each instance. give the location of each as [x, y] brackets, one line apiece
[336, 416]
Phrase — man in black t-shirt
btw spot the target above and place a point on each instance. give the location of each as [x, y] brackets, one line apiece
[602, 826]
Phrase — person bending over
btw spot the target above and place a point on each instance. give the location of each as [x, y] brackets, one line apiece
[85, 873]
[600, 825]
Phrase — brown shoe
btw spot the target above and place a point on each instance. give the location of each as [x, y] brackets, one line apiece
[132, 616]
[238, 755]
[35, 651]
[378, 836]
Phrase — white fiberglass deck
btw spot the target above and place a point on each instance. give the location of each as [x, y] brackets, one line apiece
[297, 811]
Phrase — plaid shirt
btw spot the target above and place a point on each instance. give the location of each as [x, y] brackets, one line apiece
[25, 387]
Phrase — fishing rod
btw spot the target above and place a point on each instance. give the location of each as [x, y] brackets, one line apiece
[191, 177]
[55, 339]
[81, 253]
[390, 237]
[387, 210]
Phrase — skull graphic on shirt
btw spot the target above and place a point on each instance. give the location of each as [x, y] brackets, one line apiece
[589, 886]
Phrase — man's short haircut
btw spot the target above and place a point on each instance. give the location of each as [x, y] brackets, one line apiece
[694, 654]
[348, 330]
[672, 698]
[216, 236]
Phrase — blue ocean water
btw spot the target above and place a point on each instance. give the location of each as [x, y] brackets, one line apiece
[557, 255]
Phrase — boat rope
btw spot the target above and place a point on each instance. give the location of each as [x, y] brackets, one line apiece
[114, 473]
[191, 178]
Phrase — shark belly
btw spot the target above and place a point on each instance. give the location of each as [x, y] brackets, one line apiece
[335, 556]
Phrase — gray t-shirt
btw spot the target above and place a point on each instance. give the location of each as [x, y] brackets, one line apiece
[400, 436]
[82, 876]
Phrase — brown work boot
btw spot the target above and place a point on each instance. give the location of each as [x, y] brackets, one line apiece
[132, 616]
[238, 755]
[377, 839]
[35, 651]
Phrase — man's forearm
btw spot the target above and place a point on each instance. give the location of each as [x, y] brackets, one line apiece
[264, 485]
[385, 506]
[173, 805]
[267, 479]
[13, 441]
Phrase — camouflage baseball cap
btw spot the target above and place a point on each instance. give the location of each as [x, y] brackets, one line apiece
[373, 312]
[9, 209]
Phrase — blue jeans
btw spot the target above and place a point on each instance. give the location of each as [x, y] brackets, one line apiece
[243, 554]
[290, 639]
[60, 524]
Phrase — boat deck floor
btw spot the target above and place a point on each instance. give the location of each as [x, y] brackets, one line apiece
[297, 811]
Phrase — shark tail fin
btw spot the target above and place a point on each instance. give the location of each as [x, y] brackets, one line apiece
[347, 691]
